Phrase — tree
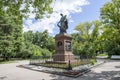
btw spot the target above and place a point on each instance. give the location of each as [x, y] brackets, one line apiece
[83, 38]
[87, 40]
[6, 39]
[22, 7]
[76, 43]
[13, 12]
[37, 38]
[95, 36]
[110, 17]
[42, 40]
[28, 37]
[110, 14]
[84, 30]
[51, 44]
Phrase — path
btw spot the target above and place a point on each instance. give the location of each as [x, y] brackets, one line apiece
[107, 71]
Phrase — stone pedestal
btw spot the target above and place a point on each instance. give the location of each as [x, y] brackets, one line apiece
[63, 48]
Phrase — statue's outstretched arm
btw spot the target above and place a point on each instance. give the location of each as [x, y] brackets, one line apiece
[58, 24]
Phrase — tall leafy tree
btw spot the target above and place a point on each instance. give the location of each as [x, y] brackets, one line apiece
[6, 39]
[42, 40]
[110, 17]
[84, 30]
[95, 36]
[22, 7]
[37, 38]
[88, 38]
[13, 11]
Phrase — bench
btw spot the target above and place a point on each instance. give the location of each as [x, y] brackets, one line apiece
[115, 57]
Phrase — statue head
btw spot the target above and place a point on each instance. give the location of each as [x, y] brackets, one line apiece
[61, 14]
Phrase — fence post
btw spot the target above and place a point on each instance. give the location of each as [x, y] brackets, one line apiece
[69, 66]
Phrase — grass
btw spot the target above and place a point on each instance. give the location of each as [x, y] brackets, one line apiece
[92, 61]
[102, 55]
[7, 62]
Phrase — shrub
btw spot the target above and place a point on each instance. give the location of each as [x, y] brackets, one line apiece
[114, 51]
[25, 53]
[92, 61]
[37, 52]
[46, 52]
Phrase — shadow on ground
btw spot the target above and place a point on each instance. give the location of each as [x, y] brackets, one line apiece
[105, 75]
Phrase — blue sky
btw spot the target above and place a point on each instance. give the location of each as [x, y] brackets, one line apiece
[89, 13]
[76, 10]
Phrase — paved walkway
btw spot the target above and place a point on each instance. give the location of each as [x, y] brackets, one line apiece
[107, 71]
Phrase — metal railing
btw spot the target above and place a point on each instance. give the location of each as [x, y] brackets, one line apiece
[48, 61]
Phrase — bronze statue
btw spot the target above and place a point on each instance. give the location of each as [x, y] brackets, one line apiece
[63, 24]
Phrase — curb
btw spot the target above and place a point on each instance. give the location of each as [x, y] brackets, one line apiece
[63, 73]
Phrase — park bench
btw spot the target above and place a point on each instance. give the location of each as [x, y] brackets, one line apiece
[115, 57]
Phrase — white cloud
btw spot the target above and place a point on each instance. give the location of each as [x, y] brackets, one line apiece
[69, 6]
[59, 6]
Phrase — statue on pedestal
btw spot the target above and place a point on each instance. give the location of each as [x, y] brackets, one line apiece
[63, 24]
[63, 44]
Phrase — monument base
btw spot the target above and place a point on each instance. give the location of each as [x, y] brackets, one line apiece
[63, 49]
[61, 62]
[63, 58]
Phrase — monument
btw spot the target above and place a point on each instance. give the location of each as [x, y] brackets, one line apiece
[63, 43]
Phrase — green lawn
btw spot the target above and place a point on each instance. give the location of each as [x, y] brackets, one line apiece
[102, 55]
[6, 62]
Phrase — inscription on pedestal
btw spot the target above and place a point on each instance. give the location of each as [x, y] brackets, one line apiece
[68, 45]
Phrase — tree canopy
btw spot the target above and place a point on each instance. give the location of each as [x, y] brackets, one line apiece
[110, 17]
[102, 35]
[22, 8]
[93, 37]
[12, 13]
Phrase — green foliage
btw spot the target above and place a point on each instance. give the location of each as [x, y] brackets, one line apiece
[21, 8]
[11, 29]
[92, 61]
[28, 37]
[25, 53]
[6, 39]
[39, 43]
[103, 54]
[51, 44]
[7, 62]
[110, 17]
[46, 52]
[93, 37]
[110, 14]
[114, 51]
[76, 48]
[84, 30]
[6, 49]
[30, 51]
[86, 40]
[36, 50]
[43, 40]
[37, 38]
